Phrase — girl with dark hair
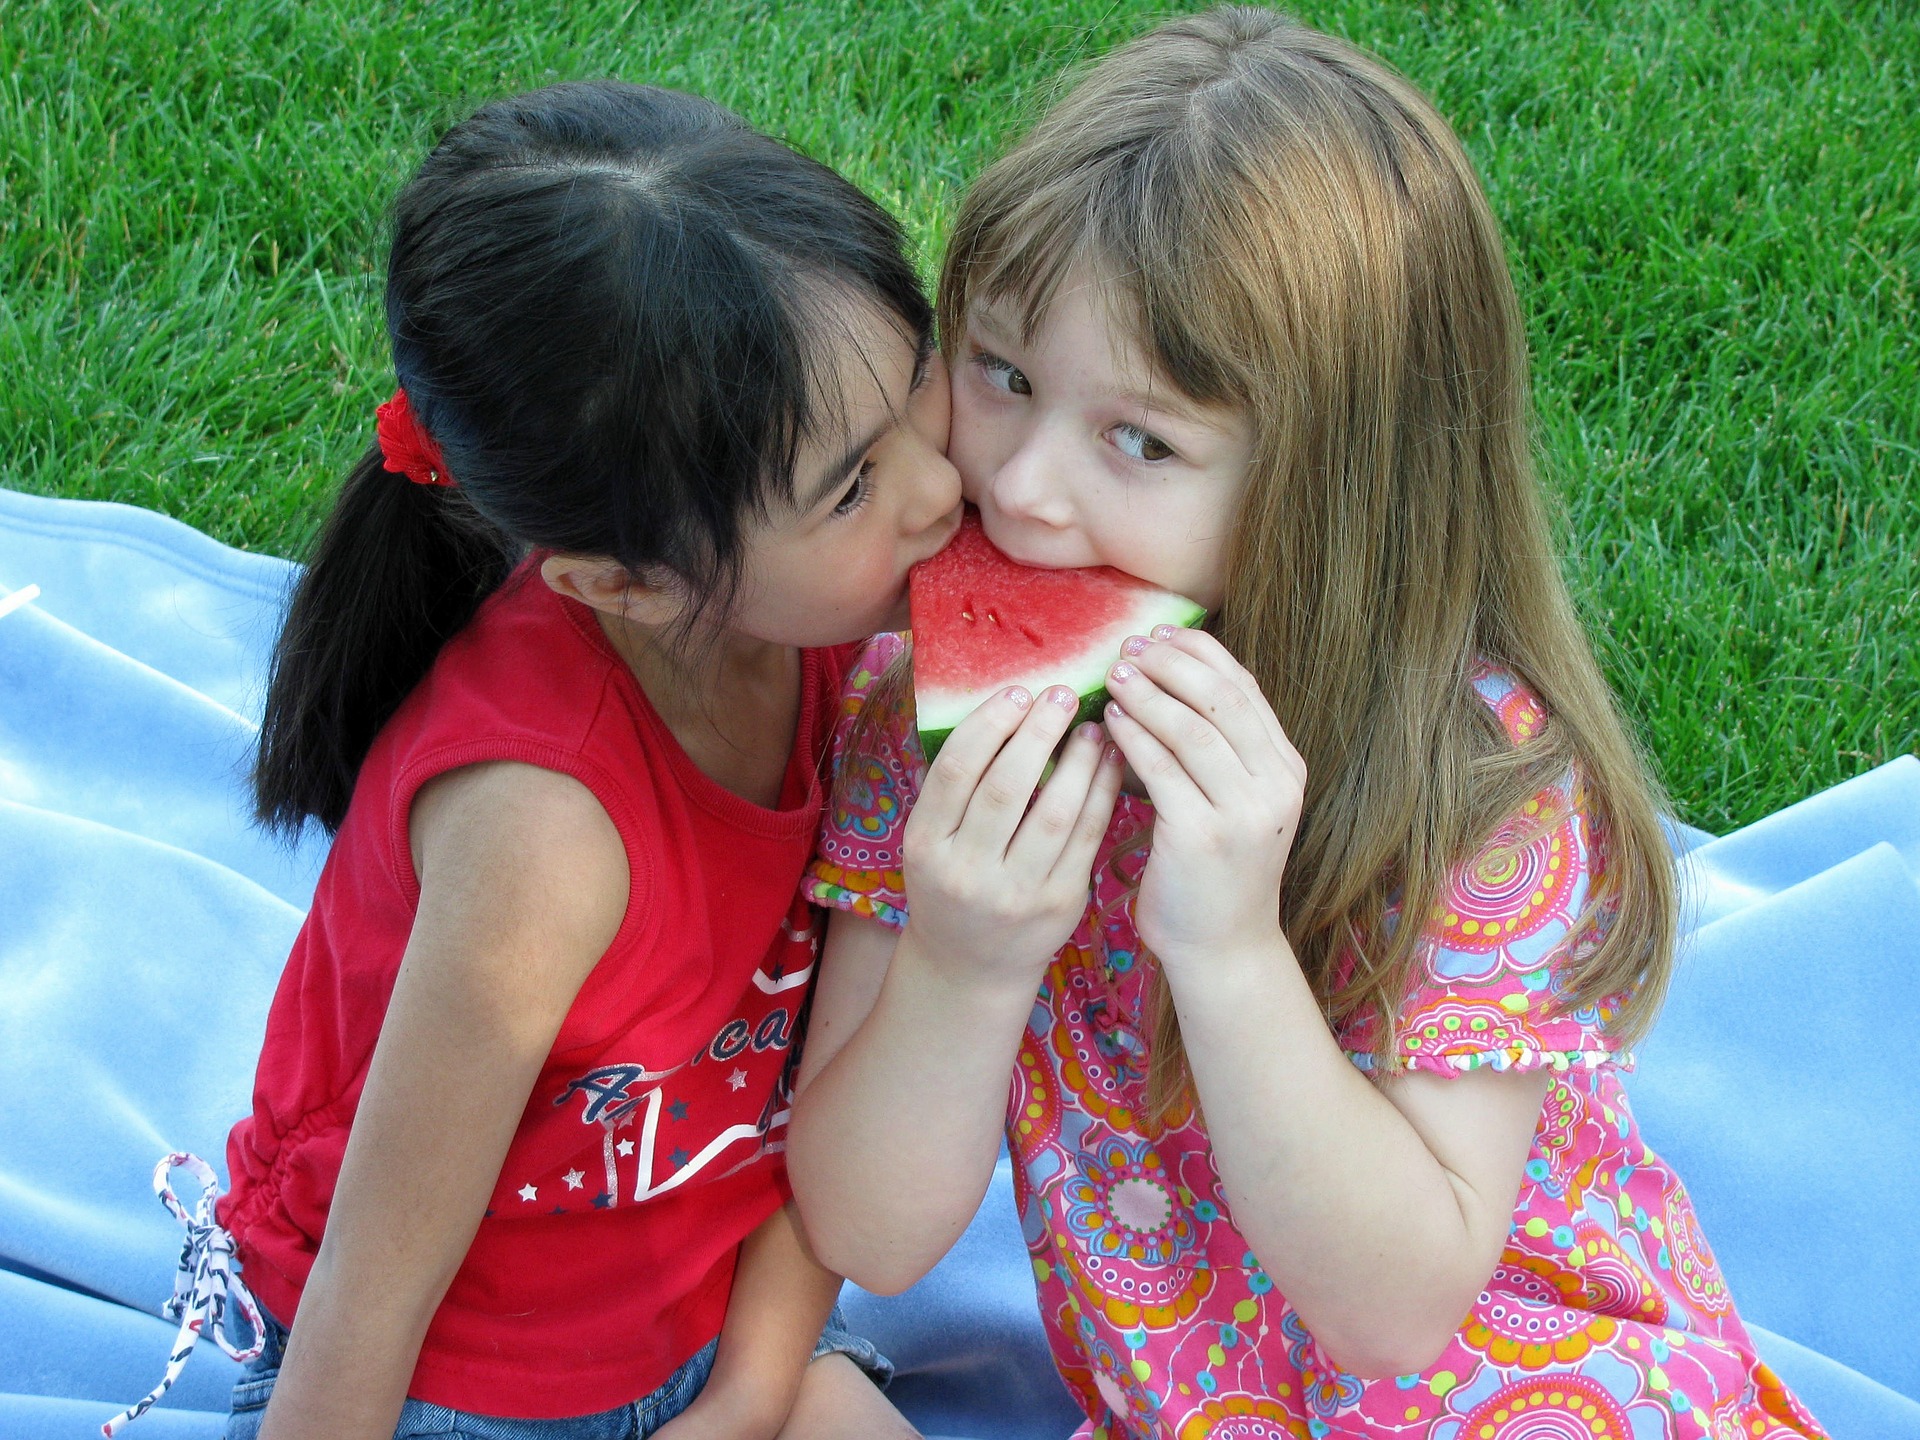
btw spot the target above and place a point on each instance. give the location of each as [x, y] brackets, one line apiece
[560, 679]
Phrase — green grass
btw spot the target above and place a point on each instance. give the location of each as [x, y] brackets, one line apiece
[1714, 212]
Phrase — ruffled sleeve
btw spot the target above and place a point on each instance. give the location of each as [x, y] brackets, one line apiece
[1504, 939]
[877, 773]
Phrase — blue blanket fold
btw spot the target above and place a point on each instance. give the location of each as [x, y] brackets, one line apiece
[143, 924]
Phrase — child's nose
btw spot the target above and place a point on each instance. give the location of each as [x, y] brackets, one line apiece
[1028, 485]
[936, 491]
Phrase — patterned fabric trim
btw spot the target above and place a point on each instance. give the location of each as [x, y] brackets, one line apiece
[819, 887]
[1518, 1059]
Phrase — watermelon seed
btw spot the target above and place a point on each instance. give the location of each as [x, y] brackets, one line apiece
[1028, 632]
[993, 617]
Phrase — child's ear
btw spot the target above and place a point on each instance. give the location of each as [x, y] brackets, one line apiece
[609, 587]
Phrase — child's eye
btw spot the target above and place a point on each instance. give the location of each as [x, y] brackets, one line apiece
[1001, 375]
[1140, 444]
[859, 492]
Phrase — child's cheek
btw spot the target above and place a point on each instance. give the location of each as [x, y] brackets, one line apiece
[931, 412]
[969, 448]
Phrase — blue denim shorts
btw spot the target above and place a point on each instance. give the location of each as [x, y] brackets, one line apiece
[633, 1421]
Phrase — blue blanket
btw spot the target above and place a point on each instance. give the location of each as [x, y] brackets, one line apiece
[143, 924]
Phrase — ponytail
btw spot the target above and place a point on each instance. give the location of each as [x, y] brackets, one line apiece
[397, 569]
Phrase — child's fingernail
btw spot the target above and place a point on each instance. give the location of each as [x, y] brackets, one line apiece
[1088, 731]
[1135, 644]
[1124, 672]
[1061, 695]
[1019, 697]
[1163, 632]
[1113, 754]
[1114, 712]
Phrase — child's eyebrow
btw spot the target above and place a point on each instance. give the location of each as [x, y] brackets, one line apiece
[980, 316]
[1164, 402]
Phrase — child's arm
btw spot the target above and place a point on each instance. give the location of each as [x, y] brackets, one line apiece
[523, 886]
[781, 1299]
[903, 1084]
[1379, 1211]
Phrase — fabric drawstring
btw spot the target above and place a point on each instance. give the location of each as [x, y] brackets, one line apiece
[201, 1286]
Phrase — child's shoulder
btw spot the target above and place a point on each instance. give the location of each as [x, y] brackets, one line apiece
[1510, 927]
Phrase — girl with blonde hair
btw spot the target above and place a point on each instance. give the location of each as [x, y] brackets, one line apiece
[1316, 1114]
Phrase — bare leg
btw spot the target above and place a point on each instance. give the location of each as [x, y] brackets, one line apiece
[838, 1402]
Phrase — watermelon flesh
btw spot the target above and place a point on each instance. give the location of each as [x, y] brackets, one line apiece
[982, 622]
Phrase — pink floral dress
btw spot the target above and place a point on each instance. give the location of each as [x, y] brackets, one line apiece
[1605, 1319]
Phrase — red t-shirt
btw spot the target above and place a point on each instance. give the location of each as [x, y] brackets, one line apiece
[650, 1145]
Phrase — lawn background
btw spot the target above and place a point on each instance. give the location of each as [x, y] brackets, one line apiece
[1713, 211]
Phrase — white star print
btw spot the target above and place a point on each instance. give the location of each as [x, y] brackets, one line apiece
[738, 1079]
[574, 1177]
[625, 1147]
[527, 1192]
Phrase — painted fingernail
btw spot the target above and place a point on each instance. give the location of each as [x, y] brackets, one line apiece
[1061, 695]
[1123, 672]
[1113, 754]
[1163, 632]
[1114, 712]
[1135, 644]
[1019, 697]
[1088, 731]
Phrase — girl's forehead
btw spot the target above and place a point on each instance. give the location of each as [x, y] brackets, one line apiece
[1088, 313]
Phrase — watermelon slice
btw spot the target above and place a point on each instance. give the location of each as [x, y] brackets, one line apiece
[982, 622]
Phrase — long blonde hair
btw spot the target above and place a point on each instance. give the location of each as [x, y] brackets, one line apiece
[1299, 235]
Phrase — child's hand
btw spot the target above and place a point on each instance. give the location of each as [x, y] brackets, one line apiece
[991, 883]
[1226, 786]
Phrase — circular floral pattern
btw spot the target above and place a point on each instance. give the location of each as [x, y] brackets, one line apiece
[1070, 1357]
[1780, 1403]
[1520, 714]
[1612, 1283]
[1328, 1388]
[1693, 1263]
[1120, 1389]
[1115, 1291]
[1517, 883]
[865, 802]
[1121, 1203]
[1033, 1109]
[1519, 1320]
[1453, 1026]
[1242, 1417]
[1606, 1282]
[1548, 1407]
[1554, 1150]
[1083, 1089]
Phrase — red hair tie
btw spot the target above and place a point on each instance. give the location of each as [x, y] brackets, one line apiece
[405, 448]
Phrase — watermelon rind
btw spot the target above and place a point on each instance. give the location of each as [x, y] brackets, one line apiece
[1086, 675]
